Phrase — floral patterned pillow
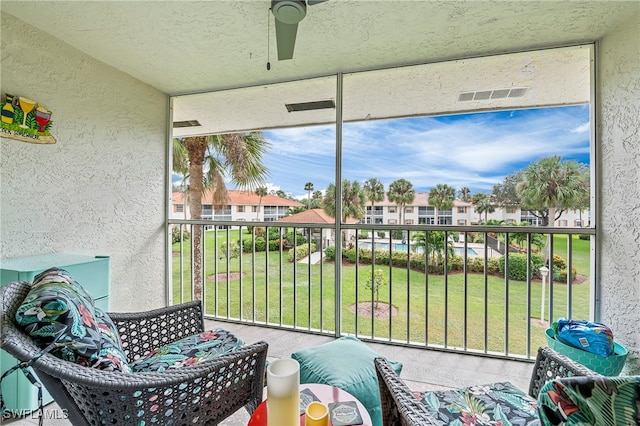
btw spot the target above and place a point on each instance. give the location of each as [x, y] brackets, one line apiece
[188, 351]
[58, 310]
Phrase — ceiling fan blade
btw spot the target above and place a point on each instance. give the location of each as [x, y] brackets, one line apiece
[312, 2]
[285, 39]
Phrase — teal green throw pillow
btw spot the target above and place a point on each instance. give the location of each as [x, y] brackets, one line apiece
[346, 363]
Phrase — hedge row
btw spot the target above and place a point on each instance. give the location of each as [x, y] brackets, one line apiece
[416, 261]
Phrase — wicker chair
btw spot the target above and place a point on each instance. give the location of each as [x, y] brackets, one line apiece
[205, 393]
[401, 407]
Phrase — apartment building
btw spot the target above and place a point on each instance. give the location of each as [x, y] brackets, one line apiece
[462, 213]
[243, 206]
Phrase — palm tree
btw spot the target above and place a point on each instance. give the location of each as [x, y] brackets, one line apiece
[210, 159]
[353, 201]
[374, 191]
[261, 191]
[402, 193]
[483, 204]
[552, 185]
[316, 200]
[441, 197]
[465, 194]
[308, 187]
[181, 166]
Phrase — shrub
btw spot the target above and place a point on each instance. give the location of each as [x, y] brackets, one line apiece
[518, 265]
[363, 234]
[175, 235]
[584, 237]
[559, 262]
[277, 244]
[261, 244]
[381, 234]
[259, 231]
[299, 239]
[330, 253]
[300, 251]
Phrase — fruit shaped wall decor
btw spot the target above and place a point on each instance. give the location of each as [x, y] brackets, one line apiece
[25, 120]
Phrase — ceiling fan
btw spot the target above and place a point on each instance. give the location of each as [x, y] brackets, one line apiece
[288, 13]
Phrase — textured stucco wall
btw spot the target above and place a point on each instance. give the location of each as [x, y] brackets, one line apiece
[619, 132]
[100, 188]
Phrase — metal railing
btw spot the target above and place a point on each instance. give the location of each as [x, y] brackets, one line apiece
[438, 287]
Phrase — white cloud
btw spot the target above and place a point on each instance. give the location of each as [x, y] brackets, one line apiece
[475, 150]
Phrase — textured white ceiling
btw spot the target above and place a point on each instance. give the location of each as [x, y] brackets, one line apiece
[192, 47]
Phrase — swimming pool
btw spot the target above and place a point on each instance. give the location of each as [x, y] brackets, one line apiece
[470, 252]
[417, 249]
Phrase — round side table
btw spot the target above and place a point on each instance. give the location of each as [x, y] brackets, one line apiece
[325, 393]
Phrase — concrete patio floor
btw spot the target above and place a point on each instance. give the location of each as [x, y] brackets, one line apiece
[422, 369]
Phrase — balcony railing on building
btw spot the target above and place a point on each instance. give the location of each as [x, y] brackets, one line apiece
[474, 289]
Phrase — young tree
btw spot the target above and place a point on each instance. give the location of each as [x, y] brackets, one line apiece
[210, 158]
[402, 193]
[441, 197]
[378, 279]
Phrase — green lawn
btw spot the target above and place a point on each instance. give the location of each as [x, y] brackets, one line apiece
[428, 306]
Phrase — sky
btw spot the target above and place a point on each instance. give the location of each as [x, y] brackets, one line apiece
[467, 150]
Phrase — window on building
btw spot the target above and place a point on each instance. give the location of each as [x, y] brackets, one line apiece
[240, 209]
[510, 210]
[254, 209]
[178, 208]
[392, 209]
[409, 221]
[462, 209]
[408, 209]
[462, 221]
[392, 222]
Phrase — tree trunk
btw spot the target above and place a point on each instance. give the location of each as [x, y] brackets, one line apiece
[196, 147]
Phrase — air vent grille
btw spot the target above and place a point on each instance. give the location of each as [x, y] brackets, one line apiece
[483, 95]
[187, 123]
[308, 106]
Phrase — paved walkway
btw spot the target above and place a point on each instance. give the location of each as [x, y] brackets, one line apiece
[313, 258]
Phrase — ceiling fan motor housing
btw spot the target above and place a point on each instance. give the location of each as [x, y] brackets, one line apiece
[289, 11]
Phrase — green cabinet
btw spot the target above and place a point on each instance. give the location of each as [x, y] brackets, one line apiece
[91, 272]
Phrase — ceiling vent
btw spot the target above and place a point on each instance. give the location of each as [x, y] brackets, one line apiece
[308, 106]
[483, 95]
[187, 123]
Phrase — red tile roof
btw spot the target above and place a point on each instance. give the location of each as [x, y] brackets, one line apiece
[312, 216]
[246, 198]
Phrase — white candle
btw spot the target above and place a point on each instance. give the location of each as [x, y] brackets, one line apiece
[283, 393]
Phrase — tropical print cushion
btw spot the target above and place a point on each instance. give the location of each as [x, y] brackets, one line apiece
[602, 401]
[499, 404]
[58, 310]
[189, 351]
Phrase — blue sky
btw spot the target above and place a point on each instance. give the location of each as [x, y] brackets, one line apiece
[473, 150]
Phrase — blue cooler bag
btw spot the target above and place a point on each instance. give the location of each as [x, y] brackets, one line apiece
[586, 335]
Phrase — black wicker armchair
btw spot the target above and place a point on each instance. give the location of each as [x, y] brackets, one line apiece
[205, 393]
[401, 406]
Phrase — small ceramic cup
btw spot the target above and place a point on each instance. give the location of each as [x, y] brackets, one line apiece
[317, 414]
